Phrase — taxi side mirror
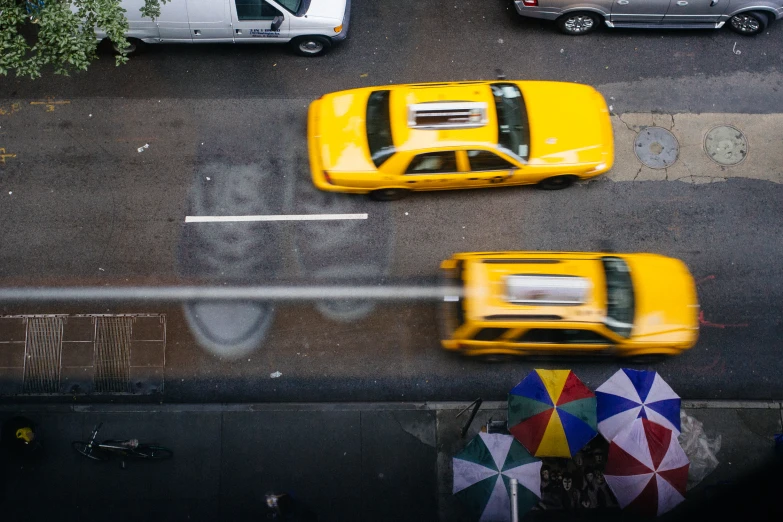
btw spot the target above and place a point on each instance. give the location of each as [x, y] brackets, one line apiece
[277, 21]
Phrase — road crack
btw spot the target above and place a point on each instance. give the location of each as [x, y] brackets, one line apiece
[629, 127]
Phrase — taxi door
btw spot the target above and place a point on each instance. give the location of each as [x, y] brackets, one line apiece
[259, 21]
[448, 169]
[565, 340]
[490, 168]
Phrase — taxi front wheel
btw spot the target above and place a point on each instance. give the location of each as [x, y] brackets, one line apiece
[389, 194]
[556, 182]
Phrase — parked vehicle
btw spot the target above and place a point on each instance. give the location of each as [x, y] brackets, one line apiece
[388, 141]
[522, 303]
[575, 17]
[309, 26]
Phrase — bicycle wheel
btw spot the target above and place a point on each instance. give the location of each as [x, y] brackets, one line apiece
[151, 452]
[91, 453]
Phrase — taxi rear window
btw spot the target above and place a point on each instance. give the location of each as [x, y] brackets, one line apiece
[379, 132]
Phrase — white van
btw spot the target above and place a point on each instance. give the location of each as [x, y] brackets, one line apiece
[310, 26]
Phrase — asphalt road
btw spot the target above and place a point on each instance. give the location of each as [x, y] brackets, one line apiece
[225, 128]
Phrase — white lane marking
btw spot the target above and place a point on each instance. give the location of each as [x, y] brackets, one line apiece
[279, 217]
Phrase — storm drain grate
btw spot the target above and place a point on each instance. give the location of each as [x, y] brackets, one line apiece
[42, 352]
[112, 354]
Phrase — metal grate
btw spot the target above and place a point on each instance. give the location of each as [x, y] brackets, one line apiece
[42, 352]
[112, 354]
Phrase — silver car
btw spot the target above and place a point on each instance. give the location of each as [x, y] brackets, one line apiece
[747, 17]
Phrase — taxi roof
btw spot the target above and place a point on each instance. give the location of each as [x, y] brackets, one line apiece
[567, 287]
[408, 138]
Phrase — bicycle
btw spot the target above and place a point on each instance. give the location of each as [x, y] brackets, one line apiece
[125, 449]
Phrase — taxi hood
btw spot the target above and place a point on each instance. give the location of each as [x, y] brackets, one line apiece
[569, 124]
[665, 297]
[341, 132]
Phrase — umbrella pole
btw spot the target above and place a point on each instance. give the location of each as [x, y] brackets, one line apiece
[514, 505]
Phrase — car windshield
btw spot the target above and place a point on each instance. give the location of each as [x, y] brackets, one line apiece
[513, 130]
[379, 135]
[295, 5]
[619, 296]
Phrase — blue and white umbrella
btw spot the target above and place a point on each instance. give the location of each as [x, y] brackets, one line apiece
[631, 394]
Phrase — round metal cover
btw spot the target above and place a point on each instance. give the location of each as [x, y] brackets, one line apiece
[656, 147]
[726, 145]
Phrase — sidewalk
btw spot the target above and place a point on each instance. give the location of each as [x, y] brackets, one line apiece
[389, 461]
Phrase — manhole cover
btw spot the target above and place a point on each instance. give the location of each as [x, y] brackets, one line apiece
[726, 145]
[656, 147]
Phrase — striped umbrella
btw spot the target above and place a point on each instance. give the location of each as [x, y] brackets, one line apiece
[631, 394]
[482, 472]
[646, 468]
[552, 413]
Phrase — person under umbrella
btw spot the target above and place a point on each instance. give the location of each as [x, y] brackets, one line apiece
[631, 394]
[552, 413]
[647, 470]
[482, 472]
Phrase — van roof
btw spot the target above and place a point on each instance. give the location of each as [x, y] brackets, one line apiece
[517, 286]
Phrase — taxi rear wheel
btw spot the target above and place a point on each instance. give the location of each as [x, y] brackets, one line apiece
[556, 182]
[311, 45]
[389, 194]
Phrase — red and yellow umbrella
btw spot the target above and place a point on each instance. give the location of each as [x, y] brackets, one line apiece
[552, 413]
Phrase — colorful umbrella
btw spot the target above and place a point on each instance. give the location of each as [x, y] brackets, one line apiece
[482, 472]
[630, 394]
[552, 413]
[646, 468]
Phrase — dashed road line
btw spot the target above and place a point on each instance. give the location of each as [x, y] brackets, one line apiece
[277, 217]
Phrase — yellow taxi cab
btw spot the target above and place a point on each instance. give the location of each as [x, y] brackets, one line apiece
[524, 303]
[391, 140]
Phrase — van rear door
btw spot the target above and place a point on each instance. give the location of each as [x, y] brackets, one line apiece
[253, 21]
[210, 20]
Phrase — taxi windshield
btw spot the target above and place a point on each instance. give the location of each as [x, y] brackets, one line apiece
[379, 133]
[513, 130]
[619, 296]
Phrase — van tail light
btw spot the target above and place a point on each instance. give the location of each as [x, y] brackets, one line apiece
[530, 3]
[328, 178]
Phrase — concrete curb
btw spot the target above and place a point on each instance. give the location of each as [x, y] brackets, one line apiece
[348, 406]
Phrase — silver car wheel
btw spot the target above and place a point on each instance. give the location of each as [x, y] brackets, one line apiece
[579, 24]
[311, 46]
[744, 23]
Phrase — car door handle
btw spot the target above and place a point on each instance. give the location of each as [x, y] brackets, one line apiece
[682, 3]
[714, 3]
[623, 2]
